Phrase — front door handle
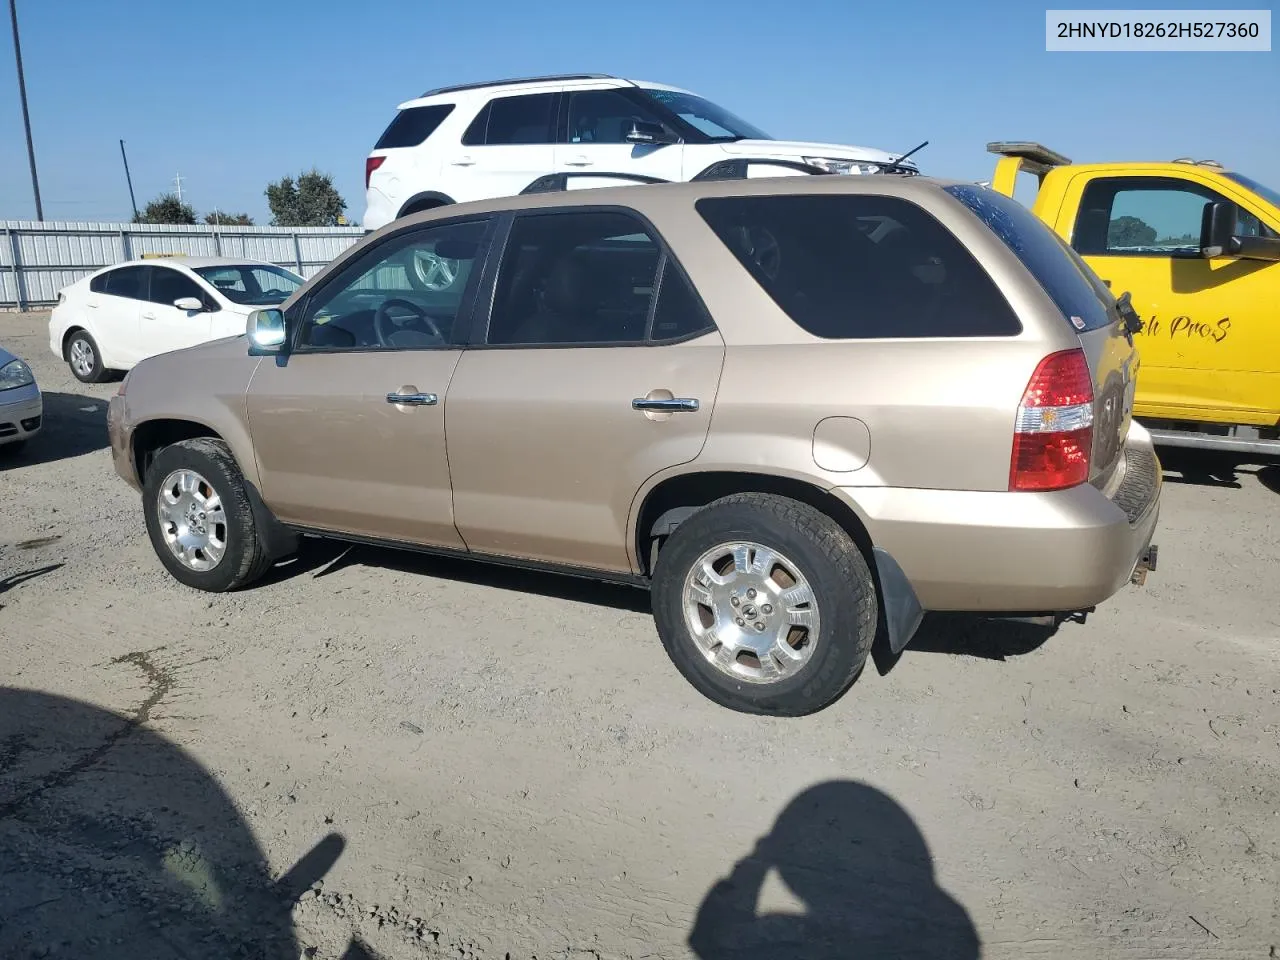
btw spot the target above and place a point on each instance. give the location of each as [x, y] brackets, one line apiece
[672, 405]
[578, 162]
[464, 161]
[413, 399]
[148, 316]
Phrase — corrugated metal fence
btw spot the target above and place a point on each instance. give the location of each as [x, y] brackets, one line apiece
[38, 259]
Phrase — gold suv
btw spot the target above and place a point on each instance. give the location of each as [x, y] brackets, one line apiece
[801, 411]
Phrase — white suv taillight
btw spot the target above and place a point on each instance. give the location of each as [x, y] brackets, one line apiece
[371, 164]
[1053, 435]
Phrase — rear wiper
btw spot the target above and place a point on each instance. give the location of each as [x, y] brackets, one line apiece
[897, 164]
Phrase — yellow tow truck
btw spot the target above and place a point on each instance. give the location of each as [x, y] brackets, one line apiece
[1197, 248]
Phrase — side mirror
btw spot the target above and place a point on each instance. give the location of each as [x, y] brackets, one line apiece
[189, 304]
[643, 131]
[266, 332]
[1218, 229]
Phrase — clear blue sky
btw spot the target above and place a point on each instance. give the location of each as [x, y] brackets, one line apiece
[235, 93]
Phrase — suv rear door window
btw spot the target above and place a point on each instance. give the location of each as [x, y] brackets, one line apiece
[413, 125]
[514, 120]
[861, 267]
[1068, 280]
[590, 278]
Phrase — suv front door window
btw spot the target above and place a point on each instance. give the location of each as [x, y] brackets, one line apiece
[1205, 321]
[546, 448]
[506, 147]
[596, 139]
[350, 427]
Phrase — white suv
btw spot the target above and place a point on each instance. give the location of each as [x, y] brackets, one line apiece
[483, 140]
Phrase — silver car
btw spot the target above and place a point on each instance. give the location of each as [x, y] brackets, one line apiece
[21, 406]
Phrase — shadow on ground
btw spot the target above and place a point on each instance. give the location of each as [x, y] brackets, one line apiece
[862, 871]
[73, 425]
[117, 845]
[1206, 468]
[17, 579]
[325, 558]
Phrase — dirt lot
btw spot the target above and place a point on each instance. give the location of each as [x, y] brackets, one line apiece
[380, 754]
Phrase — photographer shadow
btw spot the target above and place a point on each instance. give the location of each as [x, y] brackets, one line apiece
[115, 844]
[863, 874]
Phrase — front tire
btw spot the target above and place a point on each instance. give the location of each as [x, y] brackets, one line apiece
[199, 517]
[84, 358]
[765, 605]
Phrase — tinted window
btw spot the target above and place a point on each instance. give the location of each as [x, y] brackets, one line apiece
[587, 278]
[127, 282]
[856, 267]
[407, 292]
[413, 125]
[1070, 283]
[259, 285]
[679, 312]
[168, 285]
[513, 120]
[604, 116]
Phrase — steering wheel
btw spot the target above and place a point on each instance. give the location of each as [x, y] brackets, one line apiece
[384, 328]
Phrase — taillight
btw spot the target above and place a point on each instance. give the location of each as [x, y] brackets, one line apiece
[371, 164]
[1053, 435]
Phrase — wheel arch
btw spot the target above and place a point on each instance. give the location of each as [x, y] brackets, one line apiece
[149, 437]
[426, 200]
[674, 498]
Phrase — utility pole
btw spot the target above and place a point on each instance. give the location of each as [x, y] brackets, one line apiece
[129, 180]
[26, 117]
[177, 178]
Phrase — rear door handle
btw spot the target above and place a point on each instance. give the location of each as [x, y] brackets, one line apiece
[413, 399]
[674, 405]
[148, 316]
[579, 162]
[464, 162]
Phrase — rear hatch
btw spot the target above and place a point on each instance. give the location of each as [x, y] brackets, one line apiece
[1087, 307]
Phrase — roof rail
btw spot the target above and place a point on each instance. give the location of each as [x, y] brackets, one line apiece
[514, 80]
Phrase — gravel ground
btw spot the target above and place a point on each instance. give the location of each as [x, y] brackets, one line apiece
[375, 754]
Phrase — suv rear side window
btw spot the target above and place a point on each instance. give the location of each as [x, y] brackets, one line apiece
[1068, 280]
[413, 125]
[514, 120]
[589, 277]
[861, 267]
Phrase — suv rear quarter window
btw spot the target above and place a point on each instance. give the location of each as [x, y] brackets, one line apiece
[861, 267]
[1065, 277]
[413, 125]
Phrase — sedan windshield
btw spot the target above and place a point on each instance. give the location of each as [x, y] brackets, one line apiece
[707, 118]
[253, 284]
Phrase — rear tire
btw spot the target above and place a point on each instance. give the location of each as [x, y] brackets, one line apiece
[199, 517]
[788, 640]
[84, 358]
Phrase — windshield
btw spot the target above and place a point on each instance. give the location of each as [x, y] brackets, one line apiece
[1271, 196]
[253, 284]
[705, 117]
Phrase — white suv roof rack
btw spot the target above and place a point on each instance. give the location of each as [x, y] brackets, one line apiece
[456, 88]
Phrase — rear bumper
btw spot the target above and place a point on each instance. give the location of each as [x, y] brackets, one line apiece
[21, 414]
[1004, 552]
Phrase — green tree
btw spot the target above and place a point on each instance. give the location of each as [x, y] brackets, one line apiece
[311, 201]
[166, 208]
[1130, 232]
[222, 218]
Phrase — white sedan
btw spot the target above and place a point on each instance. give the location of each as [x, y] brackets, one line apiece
[112, 319]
